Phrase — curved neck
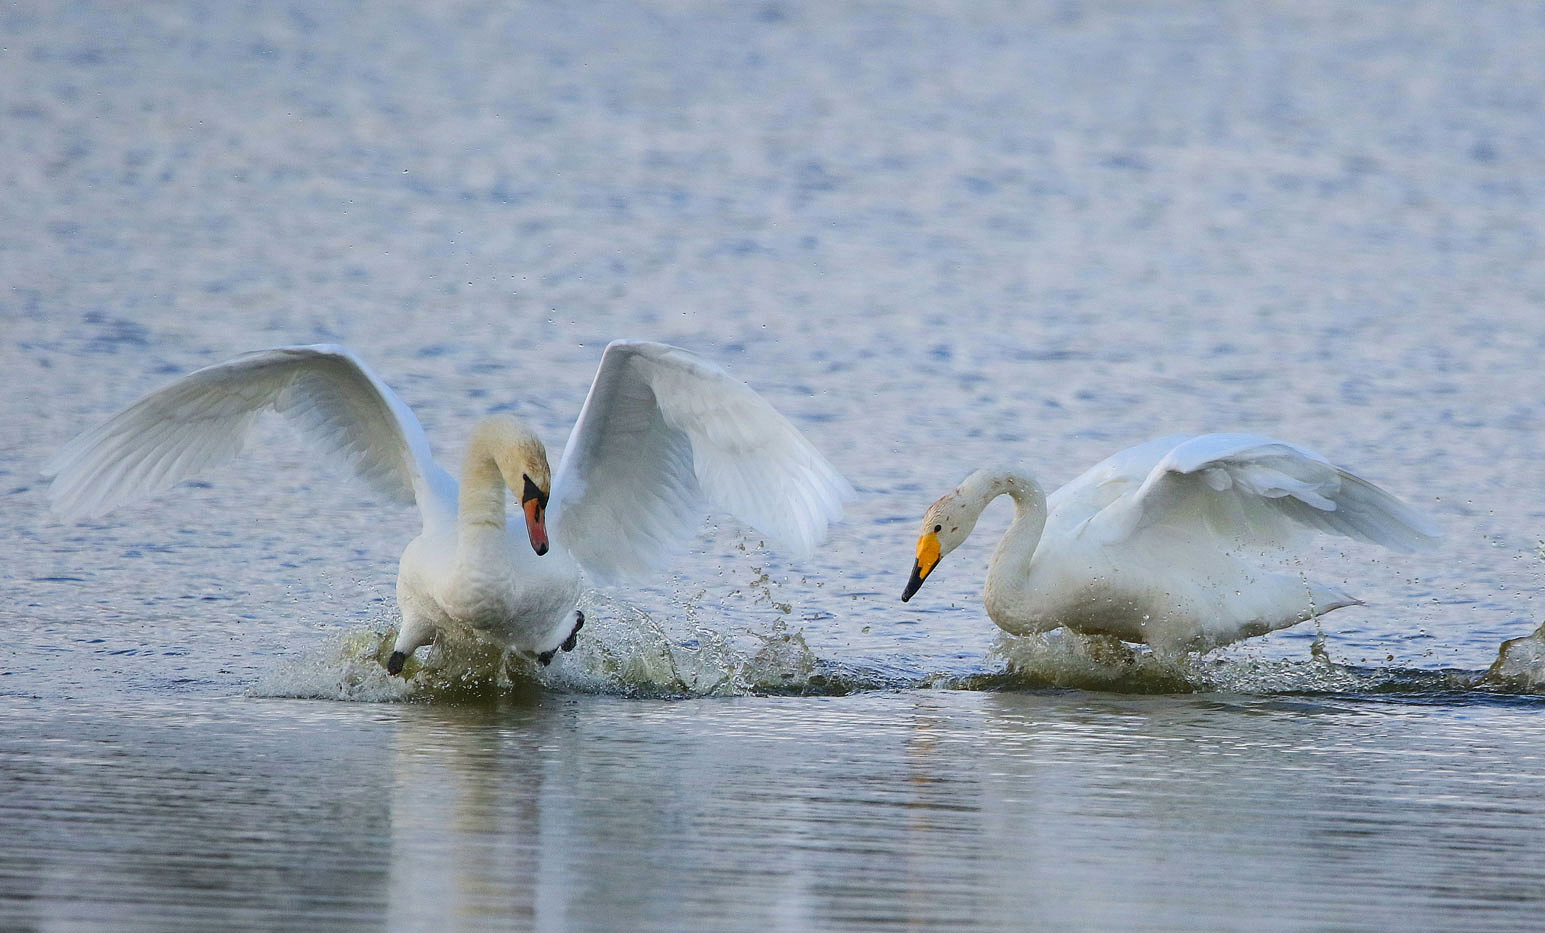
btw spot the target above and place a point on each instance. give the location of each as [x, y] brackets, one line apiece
[481, 499]
[498, 453]
[1011, 561]
[982, 487]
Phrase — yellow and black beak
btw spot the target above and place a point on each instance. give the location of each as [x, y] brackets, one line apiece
[927, 559]
[533, 501]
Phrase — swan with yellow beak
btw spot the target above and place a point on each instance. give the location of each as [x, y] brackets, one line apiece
[1146, 545]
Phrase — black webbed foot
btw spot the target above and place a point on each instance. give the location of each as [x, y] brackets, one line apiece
[395, 662]
[573, 639]
[547, 656]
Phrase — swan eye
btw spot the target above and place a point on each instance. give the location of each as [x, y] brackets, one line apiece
[532, 491]
[938, 528]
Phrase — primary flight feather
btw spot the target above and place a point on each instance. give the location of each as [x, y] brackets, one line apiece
[662, 436]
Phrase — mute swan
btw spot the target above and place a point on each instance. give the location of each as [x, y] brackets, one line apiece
[1142, 546]
[661, 431]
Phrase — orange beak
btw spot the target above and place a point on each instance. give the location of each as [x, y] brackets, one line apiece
[536, 524]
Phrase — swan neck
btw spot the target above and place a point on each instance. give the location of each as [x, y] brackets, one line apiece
[502, 454]
[1010, 565]
[981, 488]
[1025, 531]
[481, 498]
[1029, 511]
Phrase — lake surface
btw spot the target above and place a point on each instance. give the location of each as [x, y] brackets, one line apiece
[935, 236]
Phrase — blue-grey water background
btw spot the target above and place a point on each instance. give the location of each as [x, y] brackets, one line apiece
[935, 235]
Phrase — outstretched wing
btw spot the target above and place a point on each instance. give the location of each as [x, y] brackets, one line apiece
[1245, 489]
[202, 421]
[664, 433]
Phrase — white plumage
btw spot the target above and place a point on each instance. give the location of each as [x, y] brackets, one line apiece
[1145, 546]
[663, 429]
[663, 435]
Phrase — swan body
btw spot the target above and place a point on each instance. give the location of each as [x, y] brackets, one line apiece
[1146, 545]
[483, 571]
[662, 435]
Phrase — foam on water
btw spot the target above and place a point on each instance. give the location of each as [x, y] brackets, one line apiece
[622, 650]
[1061, 660]
[625, 651]
[1520, 664]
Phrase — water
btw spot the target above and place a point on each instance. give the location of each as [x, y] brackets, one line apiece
[879, 809]
[935, 237]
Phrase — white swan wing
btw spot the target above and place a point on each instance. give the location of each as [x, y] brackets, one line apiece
[203, 419]
[664, 432]
[1249, 490]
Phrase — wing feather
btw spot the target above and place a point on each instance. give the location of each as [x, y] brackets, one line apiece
[202, 421]
[662, 435]
[1253, 490]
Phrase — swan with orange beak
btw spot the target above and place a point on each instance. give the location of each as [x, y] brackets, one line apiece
[662, 437]
[533, 501]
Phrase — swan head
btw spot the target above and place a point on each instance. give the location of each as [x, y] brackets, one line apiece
[522, 461]
[950, 521]
[533, 501]
[946, 524]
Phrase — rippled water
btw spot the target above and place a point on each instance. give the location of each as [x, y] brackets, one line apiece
[879, 809]
[935, 237]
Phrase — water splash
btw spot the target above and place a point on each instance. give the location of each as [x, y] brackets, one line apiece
[622, 650]
[1520, 663]
[1064, 660]
[352, 667]
[625, 651]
